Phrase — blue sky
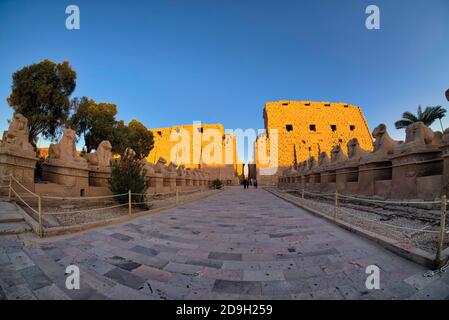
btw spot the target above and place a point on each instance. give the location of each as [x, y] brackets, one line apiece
[172, 62]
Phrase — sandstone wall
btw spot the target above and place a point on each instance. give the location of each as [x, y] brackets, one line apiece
[308, 128]
[227, 167]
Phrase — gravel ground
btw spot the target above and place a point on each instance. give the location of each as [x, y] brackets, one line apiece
[389, 223]
[67, 214]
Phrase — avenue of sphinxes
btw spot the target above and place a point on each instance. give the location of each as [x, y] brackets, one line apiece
[65, 172]
[417, 168]
[320, 146]
[167, 146]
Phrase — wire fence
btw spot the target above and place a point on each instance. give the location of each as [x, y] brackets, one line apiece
[349, 209]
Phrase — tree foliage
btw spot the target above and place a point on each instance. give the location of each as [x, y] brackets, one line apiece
[41, 93]
[428, 116]
[128, 174]
[140, 139]
[95, 121]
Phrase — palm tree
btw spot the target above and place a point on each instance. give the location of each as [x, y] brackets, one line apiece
[428, 117]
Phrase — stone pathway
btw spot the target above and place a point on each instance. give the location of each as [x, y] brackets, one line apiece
[11, 219]
[238, 244]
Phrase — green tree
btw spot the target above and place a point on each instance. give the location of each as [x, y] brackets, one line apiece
[120, 138]
[140, 139]
[41, 93]
[95, 121]
[128, 174]
[428, 117]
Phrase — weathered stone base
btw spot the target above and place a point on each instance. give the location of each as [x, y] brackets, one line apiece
[347, 179]
[77, 179]
[99, 176]
[407, 168]
[371, 172]
[21, 166]
[328, 180]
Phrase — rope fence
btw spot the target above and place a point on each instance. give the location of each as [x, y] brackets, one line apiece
[337, 199]
[29, 199]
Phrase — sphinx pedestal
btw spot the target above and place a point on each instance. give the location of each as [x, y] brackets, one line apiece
[99, 176]
[170, 182]
[156, 182]
[72, 175]
[315, 181]
[417, 174]
[375, 178]
[20, 164]
[180, 182]
[347, 178]
[327, 180]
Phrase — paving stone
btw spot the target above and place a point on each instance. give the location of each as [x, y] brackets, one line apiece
[235, 245]
[225, 256]
[97, 265]
[275, 288]
[419, 281]
[147, 273]
[298, 274]
[19, 292]
[238, 287]
[263, 275]
[121, 236]
[434, 291]
[51, 292]
[123, 263]
[20, 260]
[2, 294]
[146, 251]
[205, 263]
[183, 268]
[126, 278]
[35, 278]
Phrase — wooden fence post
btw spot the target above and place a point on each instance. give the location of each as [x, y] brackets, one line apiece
[335, 205]
[10, 188]
[40, 218]
[302, 195]
[129, 202]
[442, 230]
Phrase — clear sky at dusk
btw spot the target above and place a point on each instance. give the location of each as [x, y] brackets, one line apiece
[171, 62]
